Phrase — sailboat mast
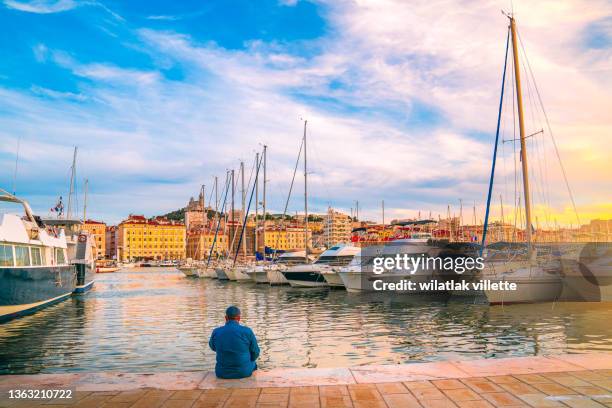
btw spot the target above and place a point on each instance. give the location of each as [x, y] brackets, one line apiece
[243, 207]
[519, 99]
[85, 201]
[256, 203]
[71, 190]
[263, 233]
[305, 196]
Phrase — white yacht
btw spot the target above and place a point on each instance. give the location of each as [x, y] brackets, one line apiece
[35, 268]
[359, 276]
[286, 260]
[311, 274]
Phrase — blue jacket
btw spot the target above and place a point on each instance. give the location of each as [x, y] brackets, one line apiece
[236, 348]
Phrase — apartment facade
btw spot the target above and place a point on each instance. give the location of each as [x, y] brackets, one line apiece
[200, 241]
[97, 230]
[158, 238]
[337, 228]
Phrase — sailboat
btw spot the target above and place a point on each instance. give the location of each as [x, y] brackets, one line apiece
[535, 282]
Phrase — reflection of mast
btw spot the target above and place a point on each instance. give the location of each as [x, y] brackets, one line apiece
[524, 168]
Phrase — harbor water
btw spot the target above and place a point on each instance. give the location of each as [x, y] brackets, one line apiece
[155, 319]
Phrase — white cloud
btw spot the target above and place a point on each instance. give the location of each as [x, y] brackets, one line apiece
[153, 137]
[41, 6]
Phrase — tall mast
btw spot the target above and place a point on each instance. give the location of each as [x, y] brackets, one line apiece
[524, 167]
[383, 212]
[263, 233]
[216, 195]
[85, 201]
[243, 232]
[232, 226]
[71, 190]
[256, 202]
[305, 196]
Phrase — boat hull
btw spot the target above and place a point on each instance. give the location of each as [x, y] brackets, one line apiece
[528, 291]
[276, 277]
[237, 274]
[221, 275]
[259, 276]
[333, 279]
[306, 279]
[25, 290]
[189, 271]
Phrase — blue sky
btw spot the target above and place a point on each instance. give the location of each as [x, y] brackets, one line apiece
[401, 100]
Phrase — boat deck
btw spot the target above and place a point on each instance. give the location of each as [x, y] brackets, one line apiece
[574, 380]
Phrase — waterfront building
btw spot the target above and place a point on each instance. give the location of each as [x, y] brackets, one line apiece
[111, 242]
[97, 230]
[200, 241]
[337, 228]
[157, 238]
[195, 214]
[286, 238]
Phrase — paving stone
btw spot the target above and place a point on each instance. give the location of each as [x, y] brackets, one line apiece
[413, 385]
[475, 404]
[186, 394]
[178, 403]
[241, 401]
[337, 401]
[579, 401]
[607, 384]
[428, 393]
[392, 388]
[448, 384]
[273, 398]
[481, 385]
[502, 379]
[364, 392]
[127, 396]
[246, 392]
[502, 399]
[540, 400]
[333, 390]
[553, 389]
[569, 381]
[401, 401]
[532, 378]
[275, 390]
[519, 388]
[591, 391]
[438, 403]
[303, 399]
[464, 394]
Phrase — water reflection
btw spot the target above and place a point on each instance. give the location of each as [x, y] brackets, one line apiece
[155, 320]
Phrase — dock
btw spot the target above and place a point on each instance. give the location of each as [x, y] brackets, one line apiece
[568, 380]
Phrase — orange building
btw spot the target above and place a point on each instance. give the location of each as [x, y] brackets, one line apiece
[98, 231]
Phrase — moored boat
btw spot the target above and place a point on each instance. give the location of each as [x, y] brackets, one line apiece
[35, 271]
[312, 274]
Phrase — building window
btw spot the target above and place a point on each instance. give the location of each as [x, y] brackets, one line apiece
[6, 255]
[22, 256]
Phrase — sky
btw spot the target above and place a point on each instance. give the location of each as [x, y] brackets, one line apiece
[401, 100]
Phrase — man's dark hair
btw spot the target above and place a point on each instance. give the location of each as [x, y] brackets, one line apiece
[232, 312]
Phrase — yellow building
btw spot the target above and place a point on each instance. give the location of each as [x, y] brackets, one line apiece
[158, 238]
[199, 242]
[97, 230]
[287, 238]
[337, 228]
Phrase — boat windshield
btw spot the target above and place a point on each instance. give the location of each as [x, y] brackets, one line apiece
[334, 260]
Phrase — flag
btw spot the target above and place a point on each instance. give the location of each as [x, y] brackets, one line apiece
[59, 207]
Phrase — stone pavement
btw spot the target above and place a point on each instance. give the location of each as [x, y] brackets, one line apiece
[579, 381]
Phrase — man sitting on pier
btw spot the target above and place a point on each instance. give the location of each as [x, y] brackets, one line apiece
[236, 347]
